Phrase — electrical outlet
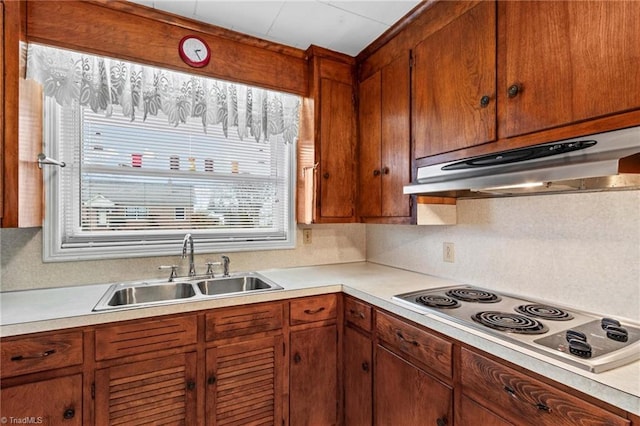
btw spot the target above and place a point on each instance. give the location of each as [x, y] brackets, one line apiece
[306, 236]
[448, 252]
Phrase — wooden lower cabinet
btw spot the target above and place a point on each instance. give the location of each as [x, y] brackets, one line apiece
[404, 394]
[50, 402]
[525, 400]
[358, 378]
[265, 371]
[244, 383]
[470, 413]
[313, 375]
[155, 391]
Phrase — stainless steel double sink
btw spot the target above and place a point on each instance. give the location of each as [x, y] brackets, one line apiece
[150, 293]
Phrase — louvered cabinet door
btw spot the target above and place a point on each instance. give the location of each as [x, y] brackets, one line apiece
[156, 391]
[244, 383]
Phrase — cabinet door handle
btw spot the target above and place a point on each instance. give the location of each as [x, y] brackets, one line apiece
[69, 413]
[543, 407]
[404, 339]
[191, 385]
[365, 366]
[355, 313]
[513, 90]
[314, 311]
[212, 379]
[34, 356]
[326, 175]
[540, 406]
[484, 101]
[297, 358]
[510, 391]
[441, 421]
[385, 170]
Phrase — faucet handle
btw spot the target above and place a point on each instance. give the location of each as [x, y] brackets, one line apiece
[174, 271]
[225, 265]
[210, 266]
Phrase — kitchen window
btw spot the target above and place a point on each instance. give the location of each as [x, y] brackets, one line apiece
[182, 154]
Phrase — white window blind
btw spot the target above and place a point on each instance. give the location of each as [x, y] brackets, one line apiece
[135, 188]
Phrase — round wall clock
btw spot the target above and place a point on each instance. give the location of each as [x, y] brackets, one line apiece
[194, 51]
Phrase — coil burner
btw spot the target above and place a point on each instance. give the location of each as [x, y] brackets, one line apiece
[437, 301]
[511, 323]
[544, 312]
[473, 295]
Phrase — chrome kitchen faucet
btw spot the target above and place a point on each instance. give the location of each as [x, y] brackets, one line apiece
[192, 266]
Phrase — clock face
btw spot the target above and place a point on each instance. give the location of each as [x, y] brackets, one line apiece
[194, 51]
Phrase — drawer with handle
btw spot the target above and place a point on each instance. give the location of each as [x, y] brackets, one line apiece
[30, 354]
[429, 349]
[516, 396]
[357, 313]
[315, 308]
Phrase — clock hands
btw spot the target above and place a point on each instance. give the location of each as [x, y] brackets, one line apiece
[198, 54]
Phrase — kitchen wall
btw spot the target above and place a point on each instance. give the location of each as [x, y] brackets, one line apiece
[581, 250]
[22, 266]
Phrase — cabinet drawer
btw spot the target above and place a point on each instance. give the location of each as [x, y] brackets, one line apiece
[516, 396]
[233, 322]
[432, 351]
[39, 353]
[316, 308]
[357, 313]
[148, 336]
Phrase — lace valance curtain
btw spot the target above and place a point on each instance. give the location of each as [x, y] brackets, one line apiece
[141, 90]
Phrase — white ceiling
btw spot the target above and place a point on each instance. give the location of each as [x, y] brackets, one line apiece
[343, 26]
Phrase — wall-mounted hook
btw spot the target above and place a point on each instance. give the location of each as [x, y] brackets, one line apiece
[44, 160]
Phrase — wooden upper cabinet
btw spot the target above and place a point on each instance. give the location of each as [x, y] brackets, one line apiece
[384, 145]
[326, 148]
[454, 83]
[336, 149]
[566, 62]
[21, 114]
[369, 154]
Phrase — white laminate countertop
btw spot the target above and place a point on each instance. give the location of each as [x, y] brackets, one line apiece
[31, 311]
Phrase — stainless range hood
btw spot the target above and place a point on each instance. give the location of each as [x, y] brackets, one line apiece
[602, 161]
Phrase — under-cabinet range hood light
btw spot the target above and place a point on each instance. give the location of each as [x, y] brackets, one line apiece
[603, 161]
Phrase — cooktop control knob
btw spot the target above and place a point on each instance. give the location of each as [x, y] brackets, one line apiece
[580, 348]
[606, 322]
[572, 334]
[619, 334]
